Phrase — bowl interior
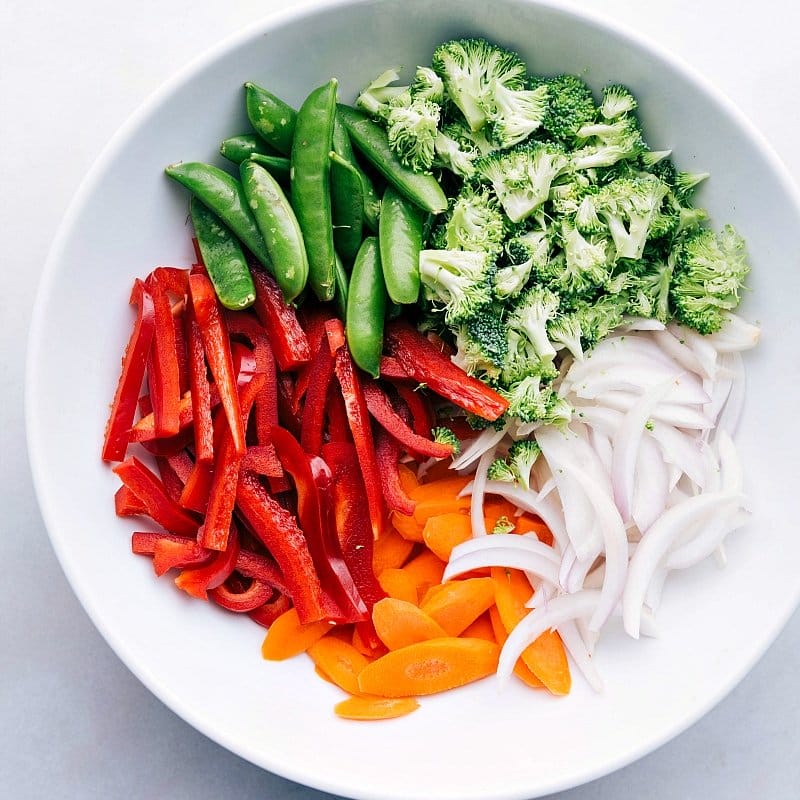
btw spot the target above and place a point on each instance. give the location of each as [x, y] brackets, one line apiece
[205, 664]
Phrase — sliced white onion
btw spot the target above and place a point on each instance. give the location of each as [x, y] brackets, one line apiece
[681, 416]
[736, 335]
[474, 449]
[526, 542]
[575, 646]
[703, 349]
[641, 324]
[728, 419]
[706, 542]
[680, 449]
[510, 557]
[637, 378]
[478, 493]
[682, 354]
[651, 486]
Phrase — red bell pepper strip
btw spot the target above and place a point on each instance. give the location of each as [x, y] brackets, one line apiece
[267, 614]
[174, 279]
[200, 390]
[150, 490]
[123, 409]
[423, 420]
[289, 342]
[387, 451]
[313, 320]
[250, 599]
[426, 364]
[145, 429]
[358, 417]
[182, 352]
[143, 543]
[380, 407]
[277, 530]
[216, 527]
[127, 504]
[312, 421]
[172, 483]
[440, 344]
[263, 460]
[338, 425]
[218, 352]
[391, 370]
[196, 582]
[163, 373]
[314, 484]
[352, 522]
[169, 555]
[286, 416]
[182, 465]
[170, 446]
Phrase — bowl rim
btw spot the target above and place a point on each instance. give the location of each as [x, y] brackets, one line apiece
[294, 13]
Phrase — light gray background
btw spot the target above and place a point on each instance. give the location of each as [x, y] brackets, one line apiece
[74, 723]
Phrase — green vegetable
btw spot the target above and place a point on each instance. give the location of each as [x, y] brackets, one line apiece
[342, 280]
[446, 436]
[522, 455]
[279, 227]
[482, 344]
[277, 166]
[400, 237]
[366, 308]
[223, 258]
[516, 114]
[344, 149]
[239, 148]
[457, 281]
[474, 222]
[273, 120]
[310, 181]
[570, 107]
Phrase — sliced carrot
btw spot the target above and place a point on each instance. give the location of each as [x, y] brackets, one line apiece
[365, 648]
[399, 584]
[371, 708]
[460, 603]
[408, 478]
[449, 488]
[442, 533]
[439, 471]
[390, 551]
[430, 593]
[429, 667]
[520, 668]
[323, 675]
[287, 637]
[399, 623]
[527, 523]
[425, 509]
[425, 570]
[340, 661]
[495, 508]
[481, 628]
[545, 657]
[406, 526]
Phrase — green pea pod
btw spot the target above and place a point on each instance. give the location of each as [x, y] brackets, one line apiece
[310, 181]
[344, 149]
[223, 257]
[342, 289]
[224, 195]
[371, 140]
[347, 207]
[394, 311]
[366, 308]
[272, 119]
[277, 166]
[400, 235]
[278, 225]
[239, 148]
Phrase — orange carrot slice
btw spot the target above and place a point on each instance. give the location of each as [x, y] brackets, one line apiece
[399, 584]
[287, 637]
[460, 603]
[481, 629]
[425, 570]
[340, 661]
[439, 471]
[408, 478]
[407, 526]
[429, 667]
[442, 533]
[545, 657]
[371, 708]
[526, 523]
[495, 508]
[390, 551]
[425, 509]
[447, 489]
[520, 668]
[399, 623]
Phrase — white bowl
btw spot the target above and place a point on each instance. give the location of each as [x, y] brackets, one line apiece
[205, 664]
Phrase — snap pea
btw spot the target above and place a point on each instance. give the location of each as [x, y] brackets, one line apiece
[400, 236]
[224, 195]
[371, 140]
[347, 207]
[277, 166]
[278, 225]
[272, 119]
[223, 258]
[366, 308]
[310, 181]
[344, 149]
[342, 289]
[238, 148]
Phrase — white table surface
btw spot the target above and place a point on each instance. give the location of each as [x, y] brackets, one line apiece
[74, 723]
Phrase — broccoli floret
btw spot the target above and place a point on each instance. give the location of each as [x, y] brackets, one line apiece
[648, 293]
[564, 331]
[521, 178]
[480, 424]
[474, 222]
[457, 148]
[503, 525]
[570, 107]
[604, 144]
[515, 115]
[376, 97]
[533, 399]
[459, 281]
[529, 349]
[522, 456]
[708, 276]
[586, 263]
[412, 130]
[599, 317]
[482, 347]
[499, 470]
[470, 68]
[527, 253]
[653, 159]
[427, 85]
[446, 436]
[617, 101]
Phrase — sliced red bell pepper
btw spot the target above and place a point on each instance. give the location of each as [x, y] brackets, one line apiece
[352, 522]
[423, 420]
[172, 483]
[312, 319]
[127, 504]
[174, 279]
[170, 446]
[168, 555]
[218, 352]
[267, 614]
[182, 352]
[440, 344]
[196, 582]
[313, 483]
[426, 364]
[163, 373]
[338, 424]
[251, 598]
[358, 417]
[380, 407]
[286, 416]
[126, 397]
[289, 342]
[387, 451]
[200, 390]
[150, 490]
[277, 530]
[312, 421]
[143, 543]
[390, 369]
[198, 485]
[263, 460]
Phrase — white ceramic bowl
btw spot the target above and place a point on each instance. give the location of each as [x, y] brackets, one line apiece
[205, 664]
